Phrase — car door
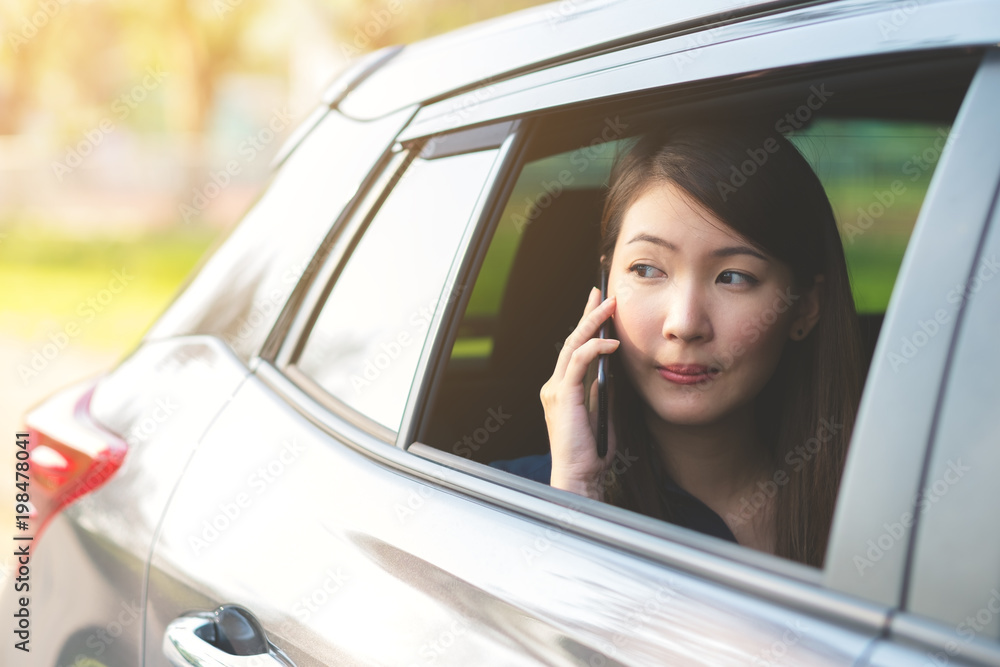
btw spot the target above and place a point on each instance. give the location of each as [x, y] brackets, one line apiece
[301, 513]
[309, 504]
[220, 540]
[884, 470]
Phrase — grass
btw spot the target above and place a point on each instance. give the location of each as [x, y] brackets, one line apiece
[54, 281]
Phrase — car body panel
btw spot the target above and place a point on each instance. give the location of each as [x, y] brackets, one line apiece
[959, 469]
[912, 640]
[891, 421]
[789, 39]
[545, 34]
[394, 578]
[95, 551]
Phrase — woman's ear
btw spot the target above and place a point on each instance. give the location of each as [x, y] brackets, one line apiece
[807, 310]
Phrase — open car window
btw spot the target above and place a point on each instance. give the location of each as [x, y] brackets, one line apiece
[873, 139]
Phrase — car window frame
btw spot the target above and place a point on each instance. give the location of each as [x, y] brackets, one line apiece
[826, 580]
[340, 229]
[789, 584]
[785, 582]
[923, 633]
[339, 246]
[778, 41]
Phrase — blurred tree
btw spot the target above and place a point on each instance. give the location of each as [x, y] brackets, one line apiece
[73, 60]
[366, 25]
[87, 54]
[21, 60]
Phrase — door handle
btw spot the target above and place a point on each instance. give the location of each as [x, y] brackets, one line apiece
[230, 636]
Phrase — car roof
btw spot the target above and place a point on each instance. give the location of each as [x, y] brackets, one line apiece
[530, 39]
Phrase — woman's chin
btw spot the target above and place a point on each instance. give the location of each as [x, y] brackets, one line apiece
[688, 414]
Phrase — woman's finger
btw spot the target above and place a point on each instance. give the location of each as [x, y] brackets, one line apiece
[593, 299]
[585, 330]
[584, 355]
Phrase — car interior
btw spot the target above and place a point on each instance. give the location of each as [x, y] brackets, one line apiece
[542, 257]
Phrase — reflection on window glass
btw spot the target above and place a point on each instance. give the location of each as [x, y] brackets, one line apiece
[367, 340]
[876, 175]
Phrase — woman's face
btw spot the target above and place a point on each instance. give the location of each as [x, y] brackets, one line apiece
[702, 315]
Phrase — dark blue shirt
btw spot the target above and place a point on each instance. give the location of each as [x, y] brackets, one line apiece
[687, 510]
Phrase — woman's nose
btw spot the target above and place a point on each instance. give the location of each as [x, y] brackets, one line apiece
[687, 316]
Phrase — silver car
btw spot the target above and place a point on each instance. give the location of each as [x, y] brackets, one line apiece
[293, 466]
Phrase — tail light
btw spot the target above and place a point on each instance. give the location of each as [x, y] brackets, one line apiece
[69, 455]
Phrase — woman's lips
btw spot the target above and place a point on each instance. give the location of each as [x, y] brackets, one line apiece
[686, 373]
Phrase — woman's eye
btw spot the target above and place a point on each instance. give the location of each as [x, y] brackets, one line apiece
[645, 270]
[736, 278]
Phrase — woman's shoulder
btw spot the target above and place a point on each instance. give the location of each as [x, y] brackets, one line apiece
[537, 467]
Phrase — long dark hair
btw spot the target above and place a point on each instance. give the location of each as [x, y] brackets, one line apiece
[758, 183]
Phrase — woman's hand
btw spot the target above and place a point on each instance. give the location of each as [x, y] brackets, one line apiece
[575, 464]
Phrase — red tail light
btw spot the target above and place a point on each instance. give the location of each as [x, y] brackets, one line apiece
[70, 455]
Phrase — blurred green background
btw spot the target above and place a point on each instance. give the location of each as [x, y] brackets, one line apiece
[113, 117]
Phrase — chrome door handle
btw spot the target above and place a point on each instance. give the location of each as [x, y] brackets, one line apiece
[194, 640]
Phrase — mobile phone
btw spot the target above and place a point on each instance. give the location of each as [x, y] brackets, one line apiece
[602, 380]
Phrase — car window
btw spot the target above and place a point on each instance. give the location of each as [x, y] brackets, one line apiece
[366, 341]
[874, 150]
[537, 188]
[875, 172]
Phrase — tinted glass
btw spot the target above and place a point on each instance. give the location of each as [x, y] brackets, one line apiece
[538, 188]
[366, 342]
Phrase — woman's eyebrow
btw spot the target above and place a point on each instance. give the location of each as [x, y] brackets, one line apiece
[655, 240]
[728, 251]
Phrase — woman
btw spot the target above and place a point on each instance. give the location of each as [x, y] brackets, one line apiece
[735, 351]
